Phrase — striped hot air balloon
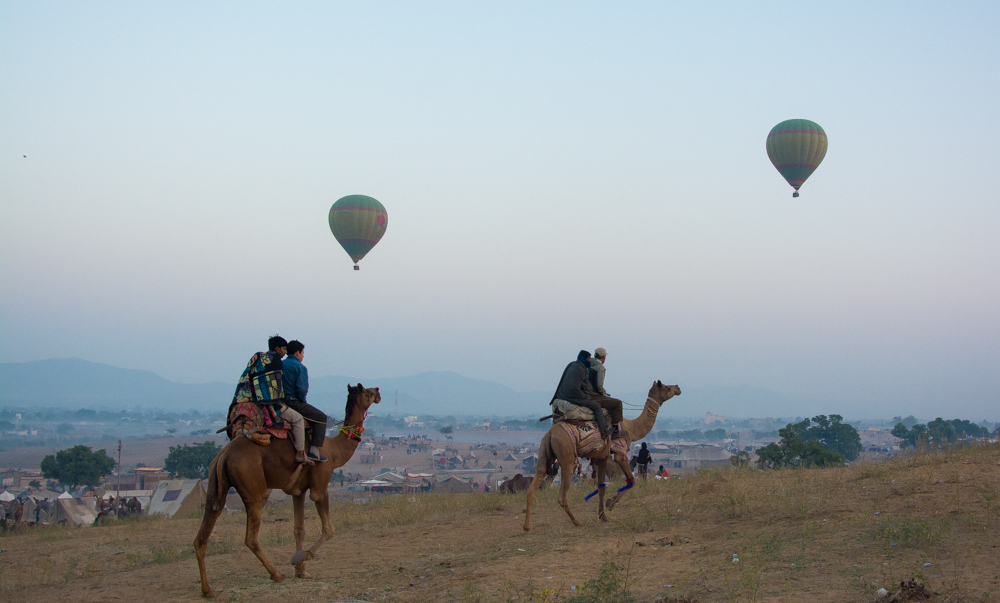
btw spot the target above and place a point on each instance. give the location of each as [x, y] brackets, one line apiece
[796, 147]
[358, 222]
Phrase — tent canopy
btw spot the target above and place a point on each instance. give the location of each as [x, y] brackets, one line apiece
[6, 496]
[177, 498]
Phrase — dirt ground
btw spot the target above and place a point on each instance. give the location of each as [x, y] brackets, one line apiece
[798, 535]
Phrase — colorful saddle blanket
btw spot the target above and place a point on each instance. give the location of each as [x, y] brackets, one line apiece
[588, 438]
[248, 419]
[574, 412]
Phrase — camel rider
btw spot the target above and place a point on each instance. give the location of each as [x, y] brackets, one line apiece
[262, 383]
[595, 389]
[571, 389]
[296, 385]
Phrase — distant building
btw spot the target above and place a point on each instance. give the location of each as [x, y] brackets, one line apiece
[710, 418]
[696, 457]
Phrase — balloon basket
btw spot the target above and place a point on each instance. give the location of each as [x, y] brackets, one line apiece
[356, 267]
[795, 194]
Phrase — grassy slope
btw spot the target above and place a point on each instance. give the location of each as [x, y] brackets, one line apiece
[817, 535]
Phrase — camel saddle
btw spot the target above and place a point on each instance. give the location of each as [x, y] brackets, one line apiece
[568, 411]
[257, 423]
[587, 437]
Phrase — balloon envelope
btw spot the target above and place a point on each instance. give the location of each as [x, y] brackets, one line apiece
[358, 222]
[796, 147]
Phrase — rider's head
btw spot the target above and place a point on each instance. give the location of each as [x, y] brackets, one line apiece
[600, 354]
[277, 343]
[584, 357]
[295, 347]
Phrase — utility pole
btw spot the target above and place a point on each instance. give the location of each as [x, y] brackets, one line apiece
[118, 488]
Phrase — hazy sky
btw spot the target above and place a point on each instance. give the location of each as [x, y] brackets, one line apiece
[557, 177]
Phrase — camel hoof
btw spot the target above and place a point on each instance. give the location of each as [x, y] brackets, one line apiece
[527, 529]
[210, 593]
[604, 517]
[301, 557]
[278, 578]
[302, 573]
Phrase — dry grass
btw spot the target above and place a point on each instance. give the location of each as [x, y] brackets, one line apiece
[816, 535]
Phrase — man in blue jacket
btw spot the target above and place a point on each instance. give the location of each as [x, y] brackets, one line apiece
[296, 386]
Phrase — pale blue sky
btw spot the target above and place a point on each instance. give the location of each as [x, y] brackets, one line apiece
[559, 176]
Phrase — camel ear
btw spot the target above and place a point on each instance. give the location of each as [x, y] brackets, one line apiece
[361, 387]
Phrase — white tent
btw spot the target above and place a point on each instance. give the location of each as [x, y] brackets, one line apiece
[177, 498]
[76, 511]
[65, 495]
[6, 496]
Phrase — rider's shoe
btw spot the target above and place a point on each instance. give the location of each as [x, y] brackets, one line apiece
[300, 457]
[315, 456]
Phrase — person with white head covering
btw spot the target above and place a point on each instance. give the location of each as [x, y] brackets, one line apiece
[594, 387]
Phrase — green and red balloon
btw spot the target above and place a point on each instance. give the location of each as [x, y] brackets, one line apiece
[358, 222]
[796, 147]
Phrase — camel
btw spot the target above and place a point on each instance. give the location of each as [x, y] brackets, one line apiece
[254, 470]
[558, 444]
[518, 483]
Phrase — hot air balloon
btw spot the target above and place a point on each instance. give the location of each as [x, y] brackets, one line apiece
[796, 147]
[358, 222]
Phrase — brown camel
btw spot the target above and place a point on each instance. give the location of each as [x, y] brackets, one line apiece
[556, 443]
[254, 470]
[518, 483]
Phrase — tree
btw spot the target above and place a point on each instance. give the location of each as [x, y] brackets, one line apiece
[835, 436]
[191, 462]
[715, 434]
[78, 466]
[6, 425]
[793, 451]
[172, 431]
[447, 430]
[939, 432]
[740, 459]
[35, 484]
[64, 428]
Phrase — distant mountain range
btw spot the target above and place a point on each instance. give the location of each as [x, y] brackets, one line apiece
[75, 383]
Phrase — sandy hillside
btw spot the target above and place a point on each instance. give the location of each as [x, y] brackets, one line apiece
[805, 535]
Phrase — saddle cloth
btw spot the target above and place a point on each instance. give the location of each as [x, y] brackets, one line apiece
[574, 412]
[246, 418]
[588, 438]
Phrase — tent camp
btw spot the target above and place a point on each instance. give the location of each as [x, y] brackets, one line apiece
[143, 496]
[6, 496]
[455, 484]
[510, 457]
[76, 511]
[489, 465]
[178, 498]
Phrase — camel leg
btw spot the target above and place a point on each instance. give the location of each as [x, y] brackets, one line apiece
[602, 467]
[201, 546]
[298, 511]
[253, 541]
[566, 472]
[623, 463]
[540, 474]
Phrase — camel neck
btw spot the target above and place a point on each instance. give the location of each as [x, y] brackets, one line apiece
[640, 427]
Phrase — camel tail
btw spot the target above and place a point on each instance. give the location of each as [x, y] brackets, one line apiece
[218, 485]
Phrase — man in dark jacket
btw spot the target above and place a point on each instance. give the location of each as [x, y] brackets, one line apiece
[571, 389]
[296, 386]
[644, 460]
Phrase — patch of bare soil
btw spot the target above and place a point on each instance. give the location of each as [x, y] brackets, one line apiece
[723, 535]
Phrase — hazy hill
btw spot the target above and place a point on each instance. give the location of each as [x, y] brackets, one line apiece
[75, 383]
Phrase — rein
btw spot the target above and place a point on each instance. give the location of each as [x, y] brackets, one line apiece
[353, 432]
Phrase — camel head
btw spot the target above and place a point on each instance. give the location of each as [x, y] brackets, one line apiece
[360, 398]
[661, 393]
